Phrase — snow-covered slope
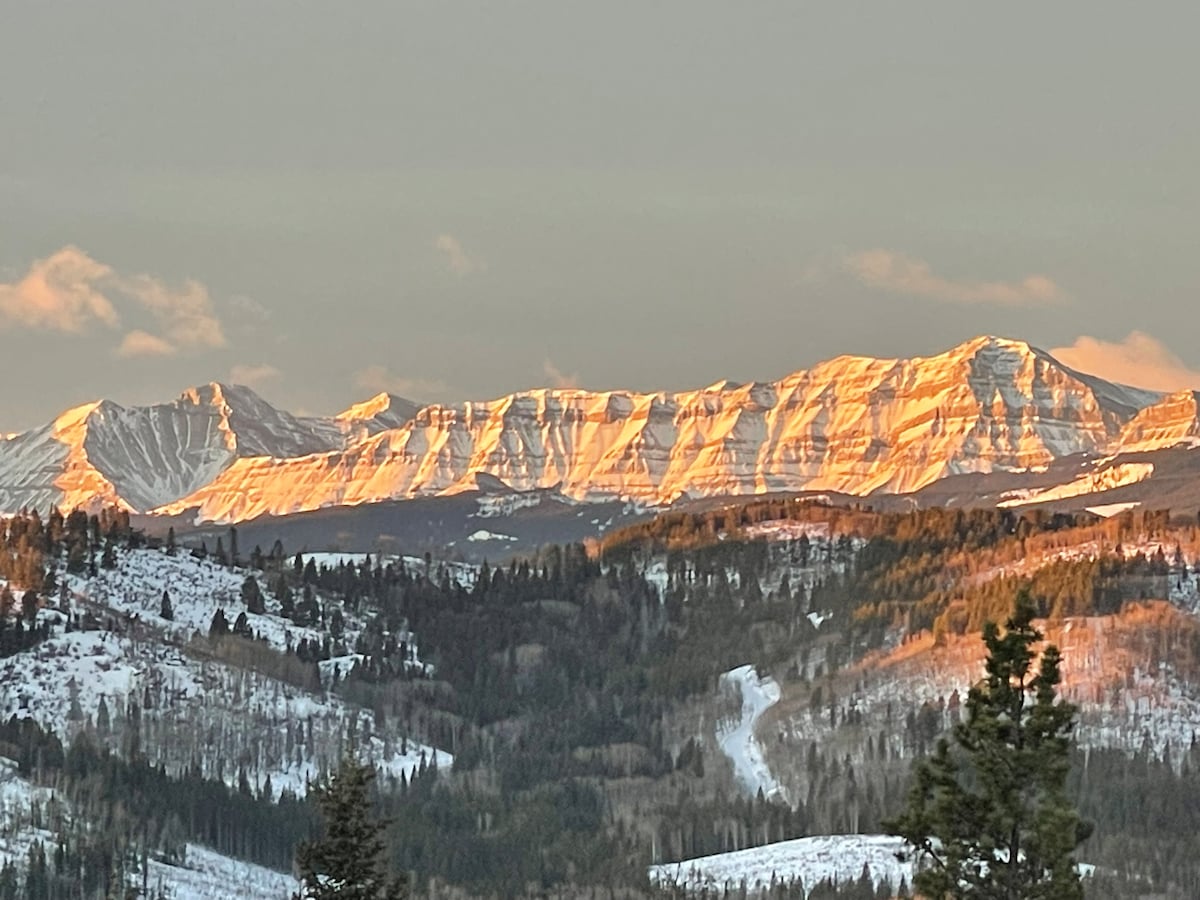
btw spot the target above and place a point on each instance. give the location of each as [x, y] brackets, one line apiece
[206, 875]
[838, 858]
[267, 726]
[853, 425]
[1095, 481]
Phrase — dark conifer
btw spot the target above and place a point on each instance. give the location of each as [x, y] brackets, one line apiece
[989, 816]
[241, 626]
[252, 596]
[345, 863]
[219, 626]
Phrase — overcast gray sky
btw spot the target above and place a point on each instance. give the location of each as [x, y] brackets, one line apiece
[457, 200]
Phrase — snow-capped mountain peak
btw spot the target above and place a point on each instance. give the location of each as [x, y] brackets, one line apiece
[851, 424]
[381, 412]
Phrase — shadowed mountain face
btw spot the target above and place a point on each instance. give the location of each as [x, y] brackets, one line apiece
[852, 425]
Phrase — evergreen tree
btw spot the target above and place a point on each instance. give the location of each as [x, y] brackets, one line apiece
[165, 609]
[989, 817]
[220, 624]
[37, 883]
[345, 863]
[241, 626]
[30, 603]
[283, 593]
[252, 596]
[8, 882]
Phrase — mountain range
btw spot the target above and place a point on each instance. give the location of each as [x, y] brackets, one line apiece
[853, 425]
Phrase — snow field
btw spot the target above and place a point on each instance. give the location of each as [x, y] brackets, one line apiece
[810, 860]
[1109, 479]
[206, 875]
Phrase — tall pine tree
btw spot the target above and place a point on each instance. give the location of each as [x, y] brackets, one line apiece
[345, 863]
[989, 816]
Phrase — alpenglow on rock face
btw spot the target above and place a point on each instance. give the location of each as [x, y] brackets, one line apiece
[855, 425]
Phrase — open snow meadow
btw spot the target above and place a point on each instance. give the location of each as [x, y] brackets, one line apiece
[841, 859]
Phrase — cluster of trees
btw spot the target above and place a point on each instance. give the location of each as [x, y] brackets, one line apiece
[694, 530]
[31, 551]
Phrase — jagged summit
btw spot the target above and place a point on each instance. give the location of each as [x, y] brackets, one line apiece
[852, 424]
[381, 412]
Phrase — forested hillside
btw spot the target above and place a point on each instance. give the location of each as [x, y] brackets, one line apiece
[172, 695]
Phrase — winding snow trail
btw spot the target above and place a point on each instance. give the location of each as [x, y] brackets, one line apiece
[738, 743]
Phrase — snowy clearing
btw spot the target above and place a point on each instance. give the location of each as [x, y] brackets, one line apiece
[206, 875]
[460, 572]
[788, 530]
[484, 535]
[1108, 510]
[810, 860]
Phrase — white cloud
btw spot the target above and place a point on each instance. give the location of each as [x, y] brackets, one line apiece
[253, 376]
[378, 379]
[185, 315]
[557, 378]
[456, 257]
[894, 272]
[138, 343]
[70, 292]
[1139, 360]
[63, 292]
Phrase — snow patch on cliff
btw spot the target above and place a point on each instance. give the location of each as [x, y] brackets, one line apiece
[1120, 475]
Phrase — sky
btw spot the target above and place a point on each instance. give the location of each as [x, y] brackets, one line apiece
[458, 200]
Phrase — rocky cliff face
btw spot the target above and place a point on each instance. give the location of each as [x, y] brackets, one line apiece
[854, 425]
[1173, 421]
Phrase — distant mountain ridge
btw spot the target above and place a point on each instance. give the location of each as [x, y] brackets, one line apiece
[854, 425]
